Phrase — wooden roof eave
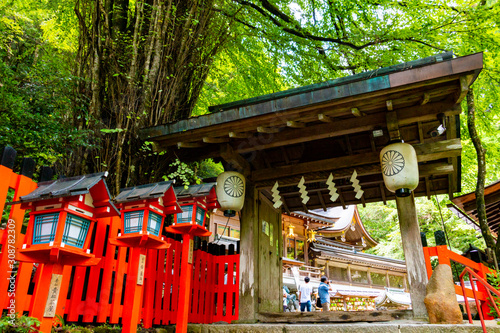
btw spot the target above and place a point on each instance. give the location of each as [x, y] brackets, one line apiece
[394, 77]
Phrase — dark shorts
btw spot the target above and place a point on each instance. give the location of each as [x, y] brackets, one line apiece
[305, 305]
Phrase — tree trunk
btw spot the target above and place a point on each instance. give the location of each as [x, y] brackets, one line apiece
[481, 173]
[139, 70]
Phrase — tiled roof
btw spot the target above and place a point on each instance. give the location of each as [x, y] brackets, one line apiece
[194, 190]
[64, 187]
[149, 191]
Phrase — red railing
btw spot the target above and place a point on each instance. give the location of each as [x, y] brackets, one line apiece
[476, 280]
[95, 294]
[446, 256]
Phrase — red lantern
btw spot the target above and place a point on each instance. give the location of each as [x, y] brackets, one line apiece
[63, 215]
[143, 210]
[195, 201]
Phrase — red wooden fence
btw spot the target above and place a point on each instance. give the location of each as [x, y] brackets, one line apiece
[96, 293]
[445, 257]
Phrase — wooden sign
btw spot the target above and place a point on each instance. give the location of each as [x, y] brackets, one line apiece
[190, 257]
[140, 271]
[51, 304]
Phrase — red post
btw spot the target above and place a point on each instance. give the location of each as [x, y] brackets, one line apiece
[133, 291]
[48, 290]
[185, 284]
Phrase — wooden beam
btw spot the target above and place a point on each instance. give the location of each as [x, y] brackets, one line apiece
[393, 125]
[208, 139]
[425, 99]
[405, 116]
[332, 316]
[463, 89]
[324, 118]
[420, 132]
[295, 124]
[425, 170]
[285, 206]
[320, 196]
[425, 152]
[437, 150]
[382, 193]
[341, 197]
[239, 135]
[190, 144]
[357, 113]
[268, 130]
[388, 105]
[235, 159]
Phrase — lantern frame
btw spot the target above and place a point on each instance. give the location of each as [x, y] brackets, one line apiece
[74, 205]
[152, 200]
[194, 199]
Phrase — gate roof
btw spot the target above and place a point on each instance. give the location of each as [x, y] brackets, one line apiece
[334, 128]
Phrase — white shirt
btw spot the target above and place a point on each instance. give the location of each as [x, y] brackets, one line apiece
[305, 292]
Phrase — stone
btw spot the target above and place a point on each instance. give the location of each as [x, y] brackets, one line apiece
[440, 300]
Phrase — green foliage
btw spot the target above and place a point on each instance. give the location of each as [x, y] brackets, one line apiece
[22, 324]
[36, 89]
[494, 281]
[382, 223]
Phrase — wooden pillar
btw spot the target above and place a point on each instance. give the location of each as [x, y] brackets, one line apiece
[414, 254]
[249, 244]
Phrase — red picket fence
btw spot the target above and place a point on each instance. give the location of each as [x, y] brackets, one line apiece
[96, 294]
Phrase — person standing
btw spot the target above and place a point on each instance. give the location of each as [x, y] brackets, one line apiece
[305, 291]
[324, 293]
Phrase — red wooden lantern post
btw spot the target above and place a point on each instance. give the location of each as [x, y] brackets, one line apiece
[143, 210]
[63, 215]
[195, 202]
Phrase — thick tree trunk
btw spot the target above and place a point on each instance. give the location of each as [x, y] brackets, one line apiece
[481, 173]
[140, 70]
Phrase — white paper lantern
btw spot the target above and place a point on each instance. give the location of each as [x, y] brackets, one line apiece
[399, 168]
[230, 192]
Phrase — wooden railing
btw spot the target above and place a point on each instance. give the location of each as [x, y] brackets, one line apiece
[446, 256]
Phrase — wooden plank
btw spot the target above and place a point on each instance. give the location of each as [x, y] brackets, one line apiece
[405, 116]
[425, 152]
[332, 316]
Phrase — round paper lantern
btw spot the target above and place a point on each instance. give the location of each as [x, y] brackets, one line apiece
[399, 168]
[230, 192]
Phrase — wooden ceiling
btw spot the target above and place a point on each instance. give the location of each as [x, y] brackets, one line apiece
[335, 128]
